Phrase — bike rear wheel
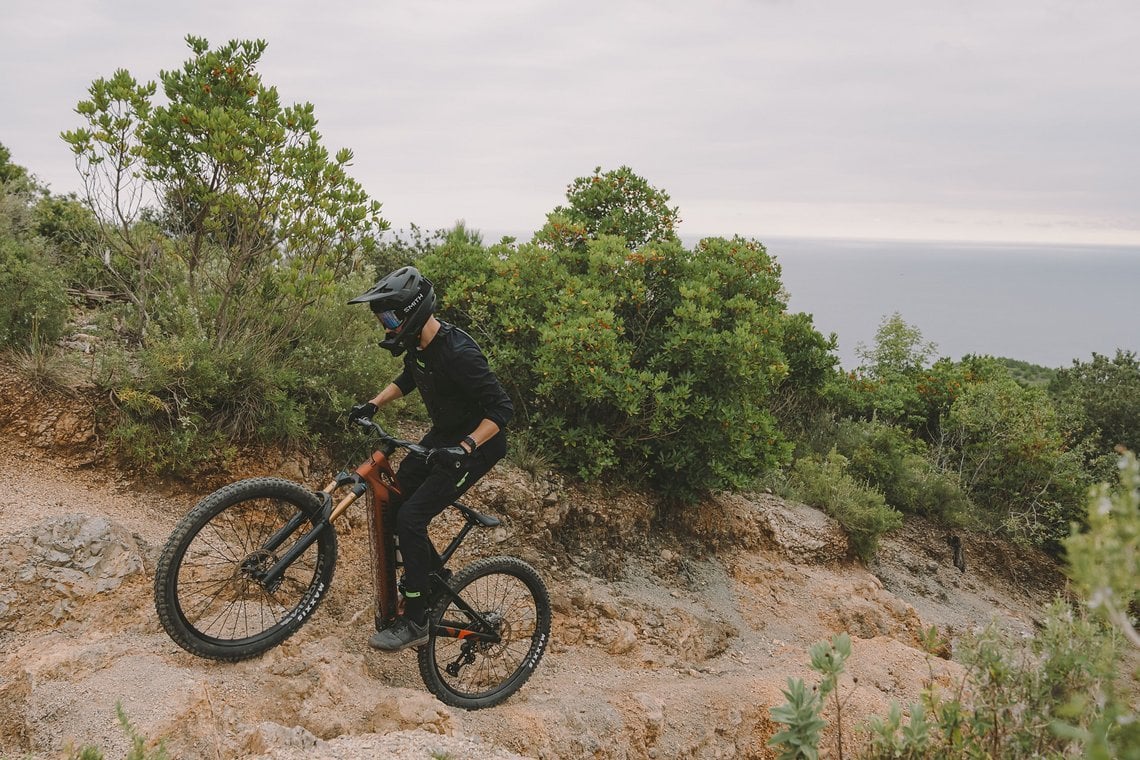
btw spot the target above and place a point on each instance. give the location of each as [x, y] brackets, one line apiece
[210, 590]
[503, 598]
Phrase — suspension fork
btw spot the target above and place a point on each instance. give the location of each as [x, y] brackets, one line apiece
[272, 576]
[376, 474]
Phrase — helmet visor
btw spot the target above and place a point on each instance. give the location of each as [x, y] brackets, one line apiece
[388, 319]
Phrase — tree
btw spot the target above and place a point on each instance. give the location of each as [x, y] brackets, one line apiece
[898, 349]
[886, 383]
[1017, 455]
[235, 236]
[1108, 393]
[616, 202]
[251, 213]
[10, 172]
[657, 364]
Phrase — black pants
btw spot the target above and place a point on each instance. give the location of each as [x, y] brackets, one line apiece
[427, 491]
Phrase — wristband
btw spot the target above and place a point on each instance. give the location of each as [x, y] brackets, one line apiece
[470, 442]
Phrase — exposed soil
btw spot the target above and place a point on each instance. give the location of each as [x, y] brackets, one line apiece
[666, 643]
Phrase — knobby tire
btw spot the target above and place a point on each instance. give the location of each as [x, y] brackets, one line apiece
[206, 590]
[510, 594]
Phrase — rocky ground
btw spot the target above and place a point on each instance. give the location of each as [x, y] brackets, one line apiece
[667, 643]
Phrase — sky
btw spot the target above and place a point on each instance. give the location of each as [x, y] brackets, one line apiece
[969, 120]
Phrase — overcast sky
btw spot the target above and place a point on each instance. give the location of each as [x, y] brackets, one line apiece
[1009, 120]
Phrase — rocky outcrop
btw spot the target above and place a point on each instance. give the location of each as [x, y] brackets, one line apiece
[57, 419]
[51, 569]
[802, 534]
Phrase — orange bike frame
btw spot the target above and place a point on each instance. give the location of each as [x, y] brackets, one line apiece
[376, 473]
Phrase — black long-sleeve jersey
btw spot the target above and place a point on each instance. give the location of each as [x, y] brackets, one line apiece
[457, 386]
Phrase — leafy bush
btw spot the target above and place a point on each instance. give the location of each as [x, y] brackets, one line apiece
[398, 248]
[236, 280]
[256, 222]
[70, 231]
[1104, 560]
[826, 482]
[1052, 696]
[1107, 391]
[803, 710]
[1018, 456]
[657, 364]
[1062, 693]
[620, 203]
[896, 385]
[1029, 374]
[1040, 698]
[887, 380]
[896, 463]
[187, 402]
[802, 401]
[34, 308]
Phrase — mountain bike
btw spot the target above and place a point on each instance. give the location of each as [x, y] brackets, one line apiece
[247, 566]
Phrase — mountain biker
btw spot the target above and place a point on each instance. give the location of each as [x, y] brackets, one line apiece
[469, 412]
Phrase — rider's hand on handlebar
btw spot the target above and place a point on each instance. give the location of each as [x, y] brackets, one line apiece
[448, 457]
[362, 411]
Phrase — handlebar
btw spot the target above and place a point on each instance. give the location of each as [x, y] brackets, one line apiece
[388, 438]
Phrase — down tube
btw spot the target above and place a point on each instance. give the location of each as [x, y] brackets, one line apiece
[380, 535]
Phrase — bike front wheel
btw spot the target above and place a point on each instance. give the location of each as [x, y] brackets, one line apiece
[487, 640]
[214, 590]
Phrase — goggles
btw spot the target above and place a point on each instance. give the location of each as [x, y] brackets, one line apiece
[388, 319]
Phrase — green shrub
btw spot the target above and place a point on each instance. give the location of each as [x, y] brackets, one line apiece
[898, 464]
[1017, 455]
[657, 365]
[619, 203]
[34, 308]
[802, 713]
[236, 281]
[1064, 693]
[804, 399]
[187, 402]
[71, 233]
[1039, 698]
[1052, 696]
[1104, 560]
[826, 482]
[1107, 392]
[257, 222]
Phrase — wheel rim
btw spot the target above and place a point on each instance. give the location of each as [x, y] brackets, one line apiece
[472, 669]
[219, 590]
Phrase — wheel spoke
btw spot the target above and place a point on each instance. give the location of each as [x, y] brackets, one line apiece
[475, 673]
[216, 577]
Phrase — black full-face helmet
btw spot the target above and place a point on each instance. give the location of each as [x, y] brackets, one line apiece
[402, 302]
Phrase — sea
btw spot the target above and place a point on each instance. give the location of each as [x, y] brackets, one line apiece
[1043, 304]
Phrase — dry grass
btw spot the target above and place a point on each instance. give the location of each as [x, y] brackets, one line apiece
[44, 368]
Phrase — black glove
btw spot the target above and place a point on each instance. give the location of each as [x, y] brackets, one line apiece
[362, 411]
[448, 457]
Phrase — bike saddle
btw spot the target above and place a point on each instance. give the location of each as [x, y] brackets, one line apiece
[476, 517]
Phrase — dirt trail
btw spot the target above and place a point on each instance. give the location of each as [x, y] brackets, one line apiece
[682, 656]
